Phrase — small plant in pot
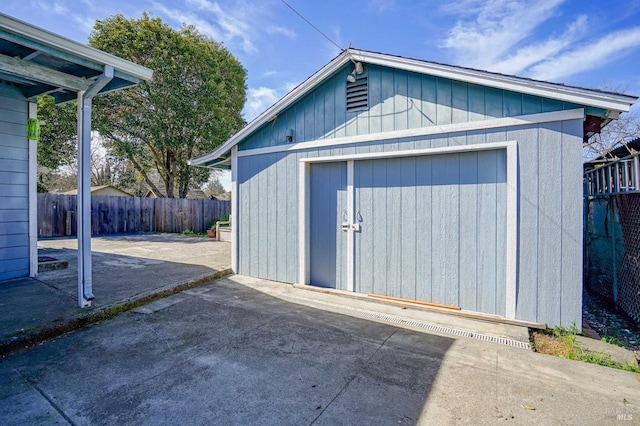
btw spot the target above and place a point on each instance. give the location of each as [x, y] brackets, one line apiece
[211, 232]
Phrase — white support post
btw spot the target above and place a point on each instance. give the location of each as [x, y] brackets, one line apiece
[33, 198]
[636, 173]
[234, 210]
[83, 202]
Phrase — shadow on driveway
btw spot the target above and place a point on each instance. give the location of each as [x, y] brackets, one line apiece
[225, 354]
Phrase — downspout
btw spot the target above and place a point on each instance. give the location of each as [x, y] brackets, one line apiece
[83, 207]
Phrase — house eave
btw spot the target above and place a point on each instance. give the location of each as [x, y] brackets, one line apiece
[27, 31]
[615, 102]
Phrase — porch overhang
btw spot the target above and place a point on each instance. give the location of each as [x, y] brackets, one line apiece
[37, 62]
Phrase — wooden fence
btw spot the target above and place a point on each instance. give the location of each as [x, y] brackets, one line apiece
[115, 215]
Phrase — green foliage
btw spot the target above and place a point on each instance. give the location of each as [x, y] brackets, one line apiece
[192, 104]
[571, 349]
[188, 232]
[213, 187]
[57, 143]
[42, 188]
[611, 340]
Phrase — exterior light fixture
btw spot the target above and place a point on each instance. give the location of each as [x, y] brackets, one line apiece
[357, 70]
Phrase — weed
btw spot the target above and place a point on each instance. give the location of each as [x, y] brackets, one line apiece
[562, 342]
[611, 340]
[190, 233]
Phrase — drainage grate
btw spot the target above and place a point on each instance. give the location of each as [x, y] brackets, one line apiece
[412, 323]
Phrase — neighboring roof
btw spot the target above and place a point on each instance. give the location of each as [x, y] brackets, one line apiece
[629, 148]
[40, 62]
[95, 189]
[615, 103]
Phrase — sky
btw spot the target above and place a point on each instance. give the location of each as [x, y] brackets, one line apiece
[584, 43]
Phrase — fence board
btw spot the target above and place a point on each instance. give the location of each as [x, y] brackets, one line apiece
[114, 215]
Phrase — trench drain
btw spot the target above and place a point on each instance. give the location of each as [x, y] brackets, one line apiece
[411, 323]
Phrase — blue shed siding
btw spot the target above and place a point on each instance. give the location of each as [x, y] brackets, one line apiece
[14, 185]
[398, 100]
[549, 284]
[397, 235]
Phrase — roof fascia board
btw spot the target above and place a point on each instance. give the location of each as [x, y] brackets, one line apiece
[42, 74]
[538, 88]
[76, 50]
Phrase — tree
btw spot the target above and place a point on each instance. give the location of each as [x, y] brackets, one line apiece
[192, 104]
[616, 133]
[214, 187]
[58, 136]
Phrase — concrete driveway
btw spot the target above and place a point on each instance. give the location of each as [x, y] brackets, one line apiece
[231, 352]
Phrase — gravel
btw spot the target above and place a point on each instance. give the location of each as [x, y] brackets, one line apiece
[612, 325]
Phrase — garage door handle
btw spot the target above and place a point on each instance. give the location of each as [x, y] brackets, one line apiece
[345, 226]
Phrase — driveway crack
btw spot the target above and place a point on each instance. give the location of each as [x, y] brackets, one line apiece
[51, 402]
[346, 385]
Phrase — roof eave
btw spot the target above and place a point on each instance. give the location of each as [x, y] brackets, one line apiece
[614, 103]
[66, 45]
[609, 101]
[273, 111]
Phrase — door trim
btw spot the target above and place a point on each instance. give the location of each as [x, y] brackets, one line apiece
[511, 219]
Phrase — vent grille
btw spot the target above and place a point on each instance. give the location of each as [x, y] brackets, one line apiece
[361, 313]
[358, 95]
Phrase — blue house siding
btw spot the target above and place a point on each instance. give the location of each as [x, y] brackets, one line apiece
[14, 185]
[439, 221]
[398, 100]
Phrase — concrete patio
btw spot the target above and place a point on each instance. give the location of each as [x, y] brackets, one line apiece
[128, 270]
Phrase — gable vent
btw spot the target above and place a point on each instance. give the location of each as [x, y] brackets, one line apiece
[357, 95]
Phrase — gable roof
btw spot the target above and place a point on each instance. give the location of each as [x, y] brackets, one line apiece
[95, 189]
[39, 62]
[613, 103]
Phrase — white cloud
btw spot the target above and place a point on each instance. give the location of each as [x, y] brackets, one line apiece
[238, 22]
[534, 53]
[52, 7]
[512, 37]
[189, 18]
[498, 26]
[589, 55]
[86, 23]
[259, 99]
[380, 6]
[274, 29]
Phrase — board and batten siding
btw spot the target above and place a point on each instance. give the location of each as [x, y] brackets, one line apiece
[398, 100]
[14, 185]
[549, 283]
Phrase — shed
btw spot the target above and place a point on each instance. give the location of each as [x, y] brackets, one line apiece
[405, 178]
[35, 62]
[108, 190]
